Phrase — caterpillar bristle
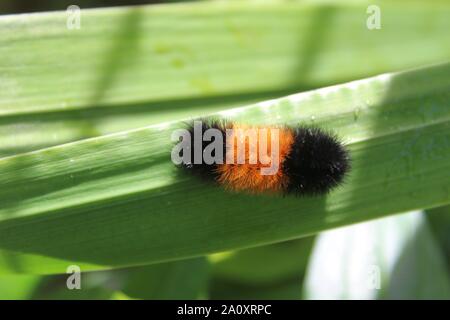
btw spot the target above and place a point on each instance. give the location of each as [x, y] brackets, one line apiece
[309, 161]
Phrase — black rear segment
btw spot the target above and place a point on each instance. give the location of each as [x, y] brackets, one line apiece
[317, 162]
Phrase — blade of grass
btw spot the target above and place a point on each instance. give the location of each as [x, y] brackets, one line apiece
[118, 200]
[131, 67]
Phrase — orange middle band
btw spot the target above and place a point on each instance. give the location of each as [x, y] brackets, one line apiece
[247, 176]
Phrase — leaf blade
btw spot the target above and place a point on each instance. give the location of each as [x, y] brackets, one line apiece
[131, 67]
[125, 194]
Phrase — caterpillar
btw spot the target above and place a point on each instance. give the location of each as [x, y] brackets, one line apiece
[306, 160]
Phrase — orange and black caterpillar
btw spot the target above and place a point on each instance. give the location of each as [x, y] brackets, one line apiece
[311, 162]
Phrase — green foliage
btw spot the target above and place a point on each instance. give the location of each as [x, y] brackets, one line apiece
[127, 79]
[130, 67]
[121, 195]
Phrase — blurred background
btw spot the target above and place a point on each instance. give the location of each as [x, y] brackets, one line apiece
[404, 256]
[400, 257]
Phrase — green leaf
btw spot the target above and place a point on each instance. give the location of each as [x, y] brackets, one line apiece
[185, 279]
[17, 287]
[228, 290]
[265, 265]
[118, 200]
[439, 219]
[267, 272]
[131, 67]
[391, 258]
